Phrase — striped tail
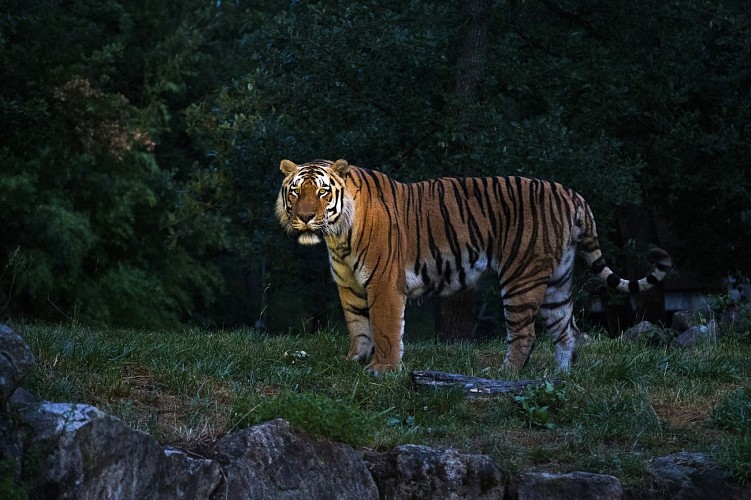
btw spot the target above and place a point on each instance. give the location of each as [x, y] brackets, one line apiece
[663, 264]
[591, 250]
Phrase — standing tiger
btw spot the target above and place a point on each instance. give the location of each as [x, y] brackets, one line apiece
[389, 241]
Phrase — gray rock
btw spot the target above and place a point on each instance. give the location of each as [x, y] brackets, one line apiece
[696, 334]
[735, 319]
[683, 320]
[694, 476]
[272, 460]
[11, 449]
[182, 476]
[16, 360]
[414, 471]
[574, 486]
[22, 396]
[646, 332]
[78, 451]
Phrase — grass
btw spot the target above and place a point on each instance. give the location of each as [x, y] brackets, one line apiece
[621, 405]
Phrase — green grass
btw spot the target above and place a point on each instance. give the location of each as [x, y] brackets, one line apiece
[621, 405]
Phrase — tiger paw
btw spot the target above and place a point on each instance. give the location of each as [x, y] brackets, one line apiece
[377, 369]
[361, 351]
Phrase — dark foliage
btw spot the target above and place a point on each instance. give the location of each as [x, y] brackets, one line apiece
[140, 141]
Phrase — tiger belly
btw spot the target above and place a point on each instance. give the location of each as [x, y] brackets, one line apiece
[428, 279]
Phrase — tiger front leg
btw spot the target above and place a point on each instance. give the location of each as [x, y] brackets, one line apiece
[357, 315]
[387, 327]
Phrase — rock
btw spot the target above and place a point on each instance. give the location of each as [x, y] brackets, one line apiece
[573, 486]
[16, 360]
[696, 334]
[272, 460]
[683, 320]
[182, 476]
[78, 451]
[689, 476]
[646, 332]
[22, 396]
[11, 449]
[735, 317]
[414, 471]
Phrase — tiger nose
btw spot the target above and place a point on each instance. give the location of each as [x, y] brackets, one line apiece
[305, 217]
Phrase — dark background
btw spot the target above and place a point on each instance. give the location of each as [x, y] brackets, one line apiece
[140, 141]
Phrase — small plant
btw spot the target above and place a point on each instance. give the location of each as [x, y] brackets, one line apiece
[313, 413]
[537, 402]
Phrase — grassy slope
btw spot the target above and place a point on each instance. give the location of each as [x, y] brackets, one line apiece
[621, 405]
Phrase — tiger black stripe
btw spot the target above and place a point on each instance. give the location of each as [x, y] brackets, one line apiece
[390, 241]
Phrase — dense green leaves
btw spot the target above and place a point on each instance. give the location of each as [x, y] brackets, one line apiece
[140, 141]
[85, 199]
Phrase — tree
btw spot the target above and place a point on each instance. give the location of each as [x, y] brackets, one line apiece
[456, 316]
[95, 187]
[119, 206]
[324, 81]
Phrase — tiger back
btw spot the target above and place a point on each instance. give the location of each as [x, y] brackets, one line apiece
[390, 241]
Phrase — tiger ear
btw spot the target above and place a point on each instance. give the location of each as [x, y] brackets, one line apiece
[341, 167]
[287, 167]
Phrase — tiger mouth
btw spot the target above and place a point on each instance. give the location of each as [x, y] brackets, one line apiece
[308, 228]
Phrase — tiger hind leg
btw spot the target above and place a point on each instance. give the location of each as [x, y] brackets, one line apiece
[520, 311]
[557, 312]
[560, 324]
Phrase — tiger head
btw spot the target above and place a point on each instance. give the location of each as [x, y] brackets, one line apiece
[313, 201]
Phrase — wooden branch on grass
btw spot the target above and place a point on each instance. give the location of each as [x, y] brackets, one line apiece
[474, 387]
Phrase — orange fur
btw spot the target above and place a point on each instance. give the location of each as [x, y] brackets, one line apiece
[390, 241]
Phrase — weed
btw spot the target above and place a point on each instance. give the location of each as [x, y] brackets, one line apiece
[539, 402]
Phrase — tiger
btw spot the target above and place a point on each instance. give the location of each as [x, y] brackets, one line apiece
[389, 242]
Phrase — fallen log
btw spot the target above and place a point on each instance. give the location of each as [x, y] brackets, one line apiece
[475, 387]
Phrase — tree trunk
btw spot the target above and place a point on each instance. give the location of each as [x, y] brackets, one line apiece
[473, 47]
[456, 316]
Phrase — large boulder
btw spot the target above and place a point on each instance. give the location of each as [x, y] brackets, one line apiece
[694, 476]
[272, 460]
[415, 471]
[78, 451]
[572, 486]
[16, 361]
